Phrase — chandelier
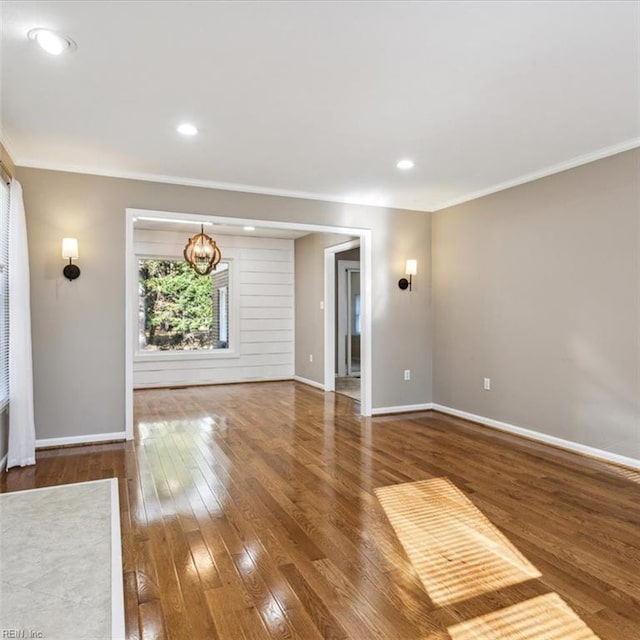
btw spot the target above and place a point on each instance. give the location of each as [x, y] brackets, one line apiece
[202, 253]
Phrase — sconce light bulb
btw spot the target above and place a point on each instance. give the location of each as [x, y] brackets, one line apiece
[70, 248]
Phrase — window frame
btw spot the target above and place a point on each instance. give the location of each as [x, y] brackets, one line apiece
[233, 310]
[223, 297]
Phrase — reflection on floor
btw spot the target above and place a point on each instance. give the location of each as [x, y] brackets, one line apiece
[348, 386]
[460, 556]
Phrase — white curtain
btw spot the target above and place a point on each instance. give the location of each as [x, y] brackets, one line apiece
[22, 432]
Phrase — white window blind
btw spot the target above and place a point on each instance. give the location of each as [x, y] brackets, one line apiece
[4, 294]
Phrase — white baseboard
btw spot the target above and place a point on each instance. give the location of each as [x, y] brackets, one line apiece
[406, 408]
[569, 445]
[86, 439]
[311, 383]
[185, 385]
[3, 462]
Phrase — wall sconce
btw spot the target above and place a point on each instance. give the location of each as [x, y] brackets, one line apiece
[411, 268]
[70, 251]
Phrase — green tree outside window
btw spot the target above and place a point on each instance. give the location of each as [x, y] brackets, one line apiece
[179, 309]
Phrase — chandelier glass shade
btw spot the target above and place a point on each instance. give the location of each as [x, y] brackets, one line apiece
[202, 253]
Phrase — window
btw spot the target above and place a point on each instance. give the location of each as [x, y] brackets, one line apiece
[4, 293]
[180, 310]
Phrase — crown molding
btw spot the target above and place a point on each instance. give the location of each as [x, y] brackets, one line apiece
[6, 157]
[204, 184]
[8, 145]
[627, 145]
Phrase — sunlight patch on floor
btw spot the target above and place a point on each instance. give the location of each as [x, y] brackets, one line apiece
[546, 617]
[459, 554]
[456, 551]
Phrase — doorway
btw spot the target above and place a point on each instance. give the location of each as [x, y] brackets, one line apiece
[347, 349]
[363, 239]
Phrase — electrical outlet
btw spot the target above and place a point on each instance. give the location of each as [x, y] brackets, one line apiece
[311, 357]
[487, 384]
[407, 374]
[321, 305]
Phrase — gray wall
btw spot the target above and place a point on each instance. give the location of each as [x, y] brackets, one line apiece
[309, 291]
[349, 254]
[78, 327]
[536, 287]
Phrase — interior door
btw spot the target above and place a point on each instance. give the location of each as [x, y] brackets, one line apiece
[343, 315]
[353, 322]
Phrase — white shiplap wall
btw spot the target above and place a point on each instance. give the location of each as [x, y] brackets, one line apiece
[261, 299]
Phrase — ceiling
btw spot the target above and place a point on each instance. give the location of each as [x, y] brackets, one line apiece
[321, 99]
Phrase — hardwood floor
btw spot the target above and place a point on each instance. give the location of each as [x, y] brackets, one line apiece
[274, 511]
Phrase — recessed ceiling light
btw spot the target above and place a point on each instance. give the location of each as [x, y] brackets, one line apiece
[405, 164]
[186, 129]
[51, 41]
[249, 228]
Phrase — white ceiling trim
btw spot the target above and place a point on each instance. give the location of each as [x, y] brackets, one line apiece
[194, 182]
[285, 193]
[627, 145]
[6, 142]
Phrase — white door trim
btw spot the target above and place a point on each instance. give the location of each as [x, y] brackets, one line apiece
[330, 315]
[365, 274]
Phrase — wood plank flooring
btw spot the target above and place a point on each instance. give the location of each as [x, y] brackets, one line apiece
[250, 512]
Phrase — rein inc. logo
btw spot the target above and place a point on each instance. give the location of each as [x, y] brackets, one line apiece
[21, 633]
